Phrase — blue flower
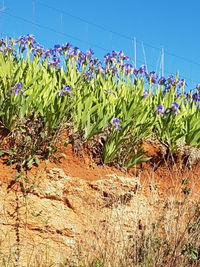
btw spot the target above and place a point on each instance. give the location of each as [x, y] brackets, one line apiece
[38, 50]
[8, 49]
[100, 69]
[196, 97]
[181, 83]
[48, 53]
[89, 75]
[114, 53]
[168, 110]
[74, 52]
[146, 94]
[172, 81]
[58, 49]
[17, 89]
[2, 42]
[66, 90]
[127, 69]
[135, 71]
[162, 80]
[122, 56]
[198, 86]
[142, 69]
[55, 62]
[30, 37]
[82, 58]
[108, 58]
[171, 78]
[152, 77]
[160, 109]
[174, 107]
[116, 123]
[66, 47]
[111, 70]
[26, 41]
[93, 64]
[109, 91]
[89, 53]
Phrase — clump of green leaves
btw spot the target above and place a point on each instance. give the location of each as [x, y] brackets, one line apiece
[64, 86]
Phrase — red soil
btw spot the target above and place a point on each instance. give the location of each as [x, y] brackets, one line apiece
[164, 179]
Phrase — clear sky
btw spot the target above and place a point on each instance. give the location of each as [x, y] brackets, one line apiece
[107, 25]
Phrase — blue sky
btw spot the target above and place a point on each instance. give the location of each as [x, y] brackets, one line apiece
[171, 25]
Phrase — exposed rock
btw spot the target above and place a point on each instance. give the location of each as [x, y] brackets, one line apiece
[189, 154]
[61, 215]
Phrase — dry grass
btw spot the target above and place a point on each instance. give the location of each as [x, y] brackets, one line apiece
[150, 232]
[167, 236]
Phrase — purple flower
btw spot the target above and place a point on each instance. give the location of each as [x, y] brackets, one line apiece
[21, 39]
[55, 62]
[198, 86]
[23, 44]
[135, 71]
[116, 123]
[100, 69]
[108, 58]
[162, 80]
[122, 56]
[174, 107]
[181, 83]
[2, 42]
[88, 75]
[196, 97]
[30, 37]
[66, 90]
[172, 81]
[168, 110]
[57, 49]
[48, 53]
[114, 53]
[66, 47]
[166, 89]
[26, 41]
[109, 91]
[178, 95]
[82, 59]
[146, 94]
[92, 64]
[142, 69]
[8, 49]
[38, 50]
[19, 85]
[152, 77]
[160, 110]
[127, 68]
[94, 61]
[89, 53]
[17, 89]
[74, 52]
[111, 70]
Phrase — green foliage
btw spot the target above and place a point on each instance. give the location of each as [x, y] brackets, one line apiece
[190, 252]
[192, 129]
[90, 106]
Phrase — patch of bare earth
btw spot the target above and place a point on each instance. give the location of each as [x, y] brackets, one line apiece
[74, 211]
